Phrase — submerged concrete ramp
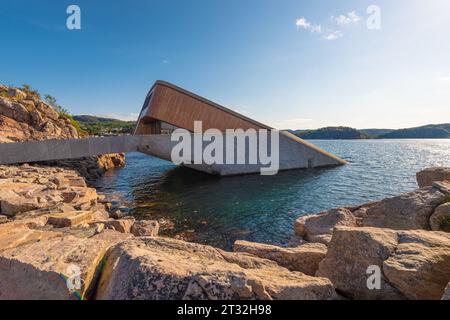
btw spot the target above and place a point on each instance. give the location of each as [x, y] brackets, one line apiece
[167, 108]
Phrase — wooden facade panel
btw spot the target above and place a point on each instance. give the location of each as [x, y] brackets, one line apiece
[181, 108]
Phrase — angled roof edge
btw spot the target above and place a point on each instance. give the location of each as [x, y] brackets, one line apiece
[220, 107]
[211, 103]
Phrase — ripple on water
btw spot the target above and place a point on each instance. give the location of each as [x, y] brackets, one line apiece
[217, 211]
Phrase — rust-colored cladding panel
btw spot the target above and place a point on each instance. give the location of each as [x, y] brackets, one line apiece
[181, 108]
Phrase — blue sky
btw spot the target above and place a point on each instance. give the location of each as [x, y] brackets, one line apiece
[265, 58]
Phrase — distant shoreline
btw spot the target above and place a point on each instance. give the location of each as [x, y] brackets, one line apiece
[432, 131]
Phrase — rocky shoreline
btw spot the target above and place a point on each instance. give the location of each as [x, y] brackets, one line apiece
[24, 116]
[59, 240]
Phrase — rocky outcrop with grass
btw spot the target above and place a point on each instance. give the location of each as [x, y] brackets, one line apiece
[26, 116]
[60, 239]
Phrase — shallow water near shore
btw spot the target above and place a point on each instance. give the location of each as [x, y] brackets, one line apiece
[217, 211]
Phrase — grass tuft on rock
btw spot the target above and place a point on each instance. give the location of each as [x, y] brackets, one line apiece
[445, 224]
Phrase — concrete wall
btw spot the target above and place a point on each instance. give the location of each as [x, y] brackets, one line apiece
[34, 151]
[294, 153]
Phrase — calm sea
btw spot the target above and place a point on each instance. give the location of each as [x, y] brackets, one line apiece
[216, 211]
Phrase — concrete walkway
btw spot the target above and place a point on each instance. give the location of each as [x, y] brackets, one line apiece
[294, 153]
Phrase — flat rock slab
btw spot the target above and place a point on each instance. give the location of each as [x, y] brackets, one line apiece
[319, 227]
[405, 212]
[351, 252]
[425, 178]
[70, 219]
[304, 258]
[420, 265]
[17, 236]
[160, 268]
[42, 270]
[112, 237]
[411, 264]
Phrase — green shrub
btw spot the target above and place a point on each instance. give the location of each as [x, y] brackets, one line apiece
[77, 126]
[64, 113]
[30, 91]
[447, 198]
[445, 224]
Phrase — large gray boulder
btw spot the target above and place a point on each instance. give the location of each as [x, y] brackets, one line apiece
[440, 219]
[161, 268]
[50, 269]
[405, 212]
[304, 258]
[420, 265]
[145, 228]
[319, 227]
[350, 254]
[413, 264]
[425, 178]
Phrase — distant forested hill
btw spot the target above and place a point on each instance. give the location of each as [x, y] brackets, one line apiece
[376, 132]
[332, 133]
[98, 126]
[434, 131]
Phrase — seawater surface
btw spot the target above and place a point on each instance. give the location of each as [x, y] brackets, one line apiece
[216, 211]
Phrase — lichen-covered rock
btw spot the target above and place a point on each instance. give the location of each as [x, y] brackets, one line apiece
[145, 228]
[70, 219]
[405, 212]
[122, 225]
[27, 188]
[91, 168]
[42, 270]
[16, 93]
[13, 235]
[3, 219]
[159, 268]
[13, 205]
[444, 187]
[425, 178]
[420, 265]
[413, 264]
[304, 258]
[318, 228]
[25, 118]
[112, 237]
[350, 254]
[440, 219]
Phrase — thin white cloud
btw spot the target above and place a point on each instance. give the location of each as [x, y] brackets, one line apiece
[303, 23]
[333, 35]
[351, 18]
[444, 79]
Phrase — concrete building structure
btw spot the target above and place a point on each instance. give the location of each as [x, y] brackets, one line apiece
[167, 108]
